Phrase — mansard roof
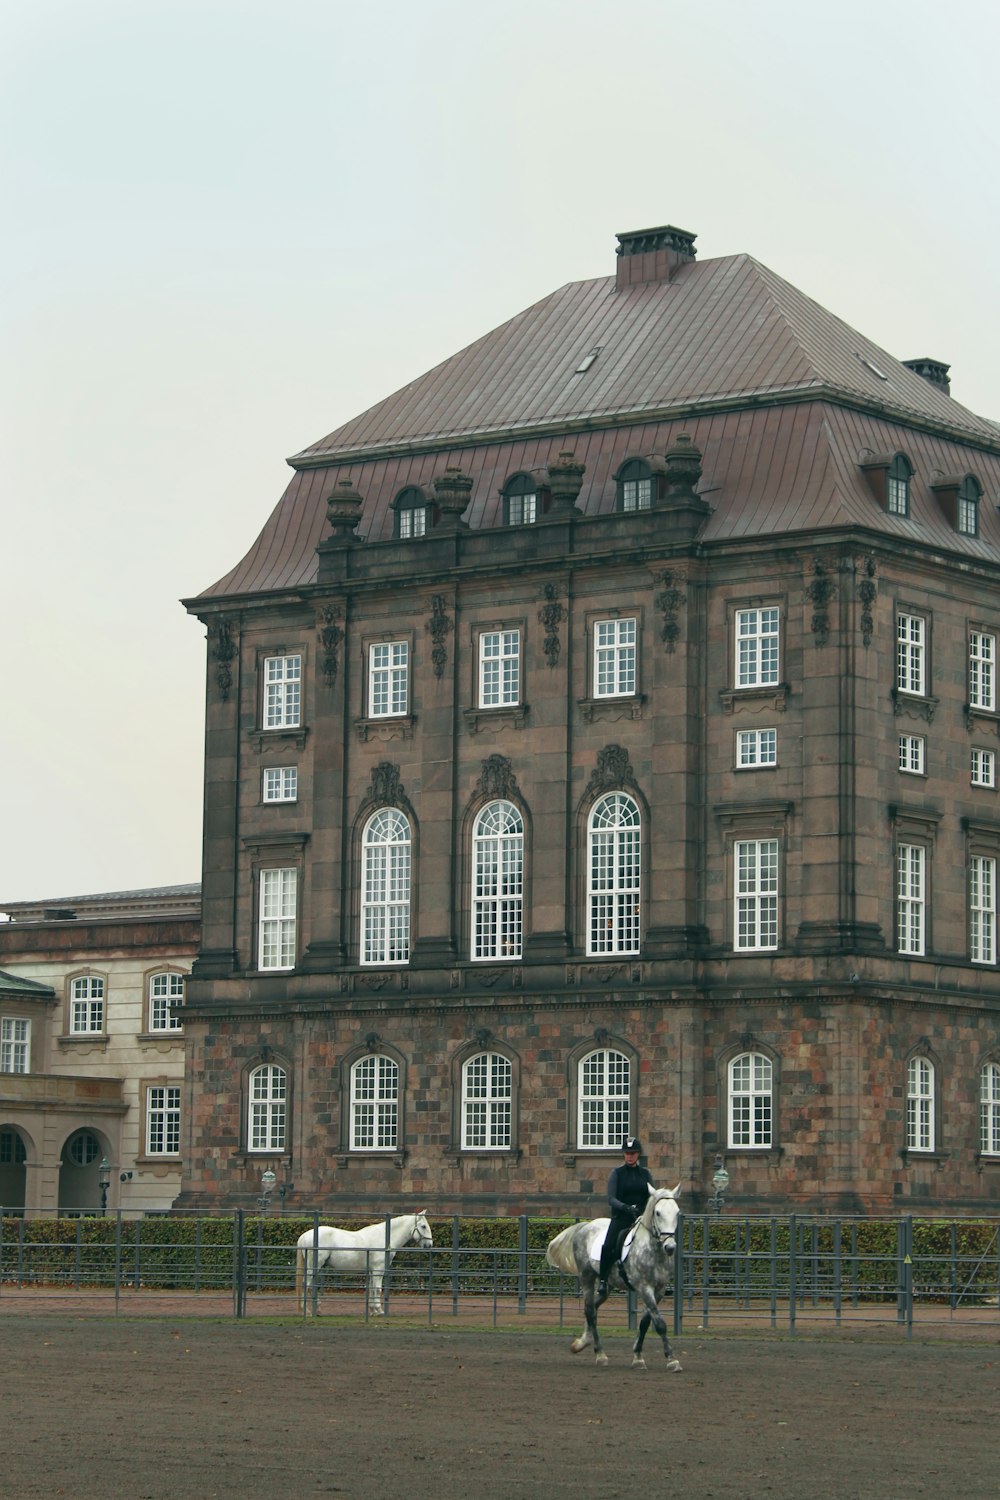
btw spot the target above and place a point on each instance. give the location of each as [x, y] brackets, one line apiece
[783, 398]
[153, 901]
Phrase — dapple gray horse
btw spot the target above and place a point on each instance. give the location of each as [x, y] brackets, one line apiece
[648, 1259]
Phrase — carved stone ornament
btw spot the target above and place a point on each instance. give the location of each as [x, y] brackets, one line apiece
[439, 625]
[819, 591]
[668, 602]
[683, 464]
[614, 771]
[452, 493]
[565, 481]
[223, 650]
[867, 593]
[551, 616]
[330, 636]
[343, 511]
[497, 778]
[386, 789]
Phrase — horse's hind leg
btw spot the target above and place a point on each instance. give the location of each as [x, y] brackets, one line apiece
[590, 1334]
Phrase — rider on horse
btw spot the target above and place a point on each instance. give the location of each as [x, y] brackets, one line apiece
[628, 1190]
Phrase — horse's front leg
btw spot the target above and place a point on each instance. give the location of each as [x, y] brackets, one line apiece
[653, 1314]
[590, 1335]
[375, 1294]
[638, 1363]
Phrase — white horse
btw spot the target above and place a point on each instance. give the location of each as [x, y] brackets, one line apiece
[369, 1250]
[648, 1262]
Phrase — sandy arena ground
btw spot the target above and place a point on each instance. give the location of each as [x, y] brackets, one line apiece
[97, 1407]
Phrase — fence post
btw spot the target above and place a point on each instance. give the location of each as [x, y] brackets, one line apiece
[793, 1246]
[908, 1277]
[239, 1266]
[118, 1260]
[522, 1263]
[454, 1264]
[679, 1276]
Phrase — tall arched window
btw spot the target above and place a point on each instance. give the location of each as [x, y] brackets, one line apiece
[385, 889]
[412, 513]
[603, 1099]
[897, 486]
[374, 1103]
[487, 1084]
[989, 1110]
[751, 1101]
[267, 1099]
[967, 506]
[920, 1104]
[614, 867]
[520, 501]
[497, 882]
[635, 485]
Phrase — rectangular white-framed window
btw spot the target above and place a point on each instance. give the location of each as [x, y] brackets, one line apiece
[614, 658]
[15, 1044]
[911, 898]
[166, 991]
[911, 654]
[757, 647]
[637, 494]
[984, 767]
[912, 754]
[499, 668]
[388, 679]
[163, 1120]
[919, 1104]
[86, 1005]
[982, 671]
[282, 692]
[982, 909]
[756, 895]
[756, 748]
[280, 784]
[967, 513]
[412, 522]
[276, 921]
[522, 510]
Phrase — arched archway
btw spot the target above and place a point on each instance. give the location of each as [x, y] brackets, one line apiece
[79, 1165]
[13, 1156]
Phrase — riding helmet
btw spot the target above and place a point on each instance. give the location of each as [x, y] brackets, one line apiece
[632, 1143]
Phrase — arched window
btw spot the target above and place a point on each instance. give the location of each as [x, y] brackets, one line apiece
[487, 1087]
[374, 1103]
[635, 485]
[920, 1103]
[520, 501]
[989, 1110]
[497, 882]
[267, 1097]
[897, 486]
[385, 889]
[412, 513]
[614, 861]
[967, 506]
[165, 992]
[603, 1091]
[751, 1101]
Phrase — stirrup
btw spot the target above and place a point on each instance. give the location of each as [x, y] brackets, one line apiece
[602, 1286]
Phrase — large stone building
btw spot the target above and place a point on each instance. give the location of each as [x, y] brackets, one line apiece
[92, 1049]
[602, 735]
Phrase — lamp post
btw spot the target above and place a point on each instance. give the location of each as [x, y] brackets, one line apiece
[267, 1181]
[104, 1182]
[720, 1181]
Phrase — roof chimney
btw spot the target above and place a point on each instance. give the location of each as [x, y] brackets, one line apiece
[933, 371]
[652, 254]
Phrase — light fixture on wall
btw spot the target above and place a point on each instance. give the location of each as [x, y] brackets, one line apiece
[720, 1181]
[104, 1182]
[267, 1181]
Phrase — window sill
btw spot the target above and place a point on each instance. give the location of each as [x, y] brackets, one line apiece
[386, 727]
[914, 706]
[624, 706]
[368, 1157]
[506, 716]
[458, 1154]
[176, 1035]
[270, 737]
[910, 1154]
[774, 696]
[168, 1159]
[987, 718]
[83, 1039]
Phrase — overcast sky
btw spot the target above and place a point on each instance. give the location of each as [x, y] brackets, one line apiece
[230, 225]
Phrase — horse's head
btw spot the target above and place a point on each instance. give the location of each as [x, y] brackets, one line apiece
[661, 1215]
[421, 1236]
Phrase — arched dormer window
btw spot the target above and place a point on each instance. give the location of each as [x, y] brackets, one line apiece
[413, 515]
[897, 486]
[635, 485]
[520, 501]
[967, 506]
[385, 888]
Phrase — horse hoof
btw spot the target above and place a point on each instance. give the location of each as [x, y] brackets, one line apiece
[638, 1363]
[673, 1364]
[577, 1346]
[601, 1359]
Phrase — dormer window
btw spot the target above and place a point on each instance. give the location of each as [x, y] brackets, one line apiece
[635, 485]
[520, 501]
[412, 513]
[897, 486]
[967, 507]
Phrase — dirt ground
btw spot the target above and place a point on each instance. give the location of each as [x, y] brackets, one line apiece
[175, 1408]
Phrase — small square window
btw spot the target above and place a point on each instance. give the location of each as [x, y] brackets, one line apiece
[984, 768]
[756, 747]
[281, 784]
[912, 749]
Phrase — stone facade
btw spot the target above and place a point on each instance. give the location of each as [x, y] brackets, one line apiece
[758, 718]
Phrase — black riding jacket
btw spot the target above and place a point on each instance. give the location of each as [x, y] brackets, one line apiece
[628, 1190]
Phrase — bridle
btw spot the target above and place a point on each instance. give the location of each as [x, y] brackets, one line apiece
[666, 1238]
[418, 1238]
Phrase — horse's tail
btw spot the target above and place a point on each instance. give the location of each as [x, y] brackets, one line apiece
[560, 1250]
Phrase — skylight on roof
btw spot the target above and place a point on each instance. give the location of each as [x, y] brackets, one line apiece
[874, 368]
[588, 360]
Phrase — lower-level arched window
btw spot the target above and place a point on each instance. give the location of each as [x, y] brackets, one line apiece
[498, 882]
[266, 1106]
[487, 1082]
[920, 1104]
[385, 885]
[614, 875]
[603, 1099]
[751, 1101]
[374, 1104]
[989, 1110]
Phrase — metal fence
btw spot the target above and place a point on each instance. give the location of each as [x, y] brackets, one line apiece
[780, 1273]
